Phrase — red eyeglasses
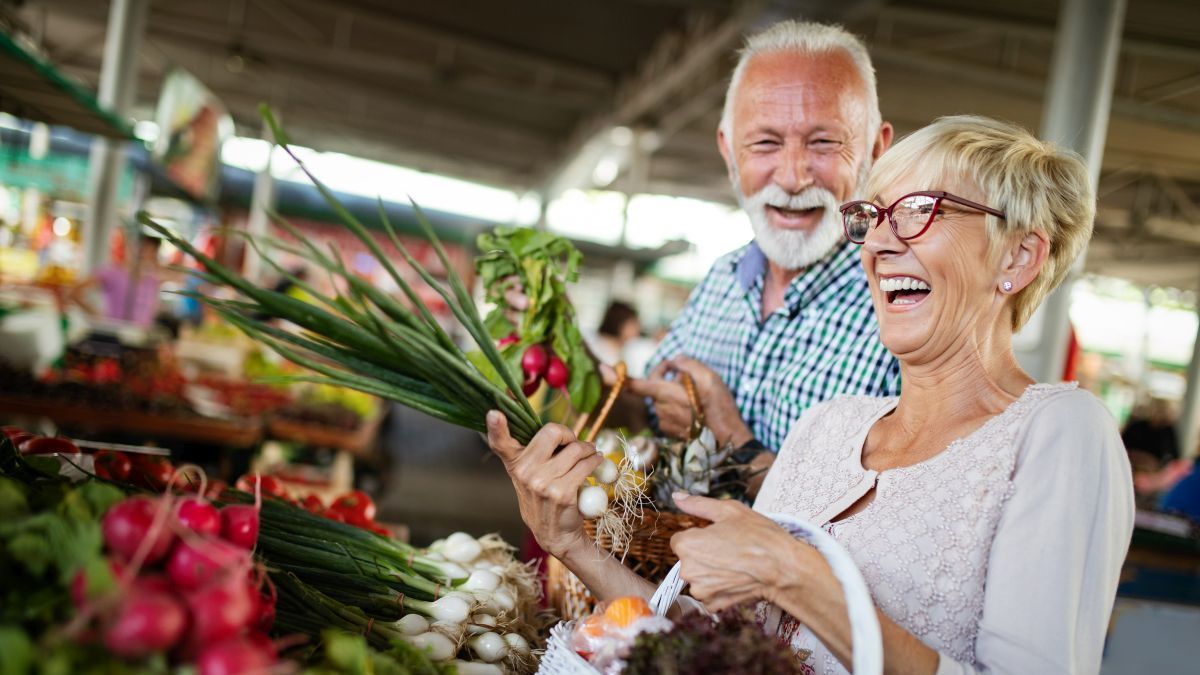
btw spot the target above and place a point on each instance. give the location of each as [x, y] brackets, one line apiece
[910, 216]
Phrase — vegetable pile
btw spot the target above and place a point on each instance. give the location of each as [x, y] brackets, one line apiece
[364, 339]
[698, 645]
[147, 582]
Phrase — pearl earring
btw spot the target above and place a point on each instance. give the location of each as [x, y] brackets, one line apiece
[1007, 286]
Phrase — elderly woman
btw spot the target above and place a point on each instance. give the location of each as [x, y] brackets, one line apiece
[988, 514]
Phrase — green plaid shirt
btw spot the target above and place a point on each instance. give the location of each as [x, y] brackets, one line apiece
[822, 342]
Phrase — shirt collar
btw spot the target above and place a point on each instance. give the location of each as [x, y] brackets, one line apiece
[750, 267]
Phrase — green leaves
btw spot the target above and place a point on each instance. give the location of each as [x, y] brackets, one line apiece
[542, 264]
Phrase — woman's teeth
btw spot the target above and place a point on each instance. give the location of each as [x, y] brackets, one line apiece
[902, 284]
[903, 290]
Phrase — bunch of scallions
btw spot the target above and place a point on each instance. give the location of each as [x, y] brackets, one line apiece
[362, 338]
[464, 601]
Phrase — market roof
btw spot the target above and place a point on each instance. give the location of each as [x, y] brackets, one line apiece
[526, 94]
[32, 88]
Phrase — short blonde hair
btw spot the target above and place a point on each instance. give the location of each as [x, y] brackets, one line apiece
[810, 39]
[1038, 186]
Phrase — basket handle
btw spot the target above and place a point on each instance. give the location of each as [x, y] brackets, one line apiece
[864, 623]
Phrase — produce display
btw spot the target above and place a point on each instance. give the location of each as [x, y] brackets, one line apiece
[108, 576]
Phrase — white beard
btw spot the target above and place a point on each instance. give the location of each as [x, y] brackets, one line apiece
[796, 249]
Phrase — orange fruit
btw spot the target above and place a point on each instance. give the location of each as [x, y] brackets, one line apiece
[594, 626]
[624, 611]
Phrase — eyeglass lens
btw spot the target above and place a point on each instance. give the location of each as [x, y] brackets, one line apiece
[910, 216]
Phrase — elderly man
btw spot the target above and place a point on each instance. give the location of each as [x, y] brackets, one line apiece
[777, 326]
[786, 321]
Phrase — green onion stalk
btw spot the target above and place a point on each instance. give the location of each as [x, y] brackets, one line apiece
[362, 338]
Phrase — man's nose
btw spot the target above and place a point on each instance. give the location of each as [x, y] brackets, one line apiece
[794, 173]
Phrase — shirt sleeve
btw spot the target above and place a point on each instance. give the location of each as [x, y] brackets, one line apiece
[1057, 554]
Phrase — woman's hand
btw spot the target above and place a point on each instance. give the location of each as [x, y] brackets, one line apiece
[744, 556]
[547, 475]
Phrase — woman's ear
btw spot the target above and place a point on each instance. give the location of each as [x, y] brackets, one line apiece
[1023, 261]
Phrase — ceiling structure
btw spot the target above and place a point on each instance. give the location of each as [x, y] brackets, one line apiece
[534, 94]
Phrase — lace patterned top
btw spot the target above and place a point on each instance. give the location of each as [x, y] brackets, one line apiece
[1002, 552]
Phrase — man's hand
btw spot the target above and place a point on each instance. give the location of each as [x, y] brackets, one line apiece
[547, 475]
[721, 413]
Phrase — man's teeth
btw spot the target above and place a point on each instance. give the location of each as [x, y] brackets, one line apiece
[892, 284]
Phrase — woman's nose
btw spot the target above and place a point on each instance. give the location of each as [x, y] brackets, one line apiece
[881, 240]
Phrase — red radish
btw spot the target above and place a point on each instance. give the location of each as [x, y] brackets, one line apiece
[259, 639]
[534, 361]
[221, 610]
[265, 616]
[195, 564]
[510, 339]
[18, 439]
[531, 386]
[557, 374]
[199, 516]
[155, 583]
[237, 656]
[79, 582]
[146, 623]
[152, 472]
[270, 485]
[128, 523]
[239, 525]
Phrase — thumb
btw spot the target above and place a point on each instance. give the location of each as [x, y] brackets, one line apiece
[500, 440]
[707, 508]
[607, 375]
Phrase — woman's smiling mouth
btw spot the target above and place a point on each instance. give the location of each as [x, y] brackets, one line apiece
[904, 290]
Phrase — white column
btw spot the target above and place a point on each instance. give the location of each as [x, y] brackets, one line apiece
[262, 199]
[118, 85]
[1076, 117]
[1189, 410]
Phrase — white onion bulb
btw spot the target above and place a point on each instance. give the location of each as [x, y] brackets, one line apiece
[484, 581]
[451, 608]
[517, 644]
[461, 547]
[481, 623]
[488, 646]
[437, 646]
[592, 501]
[606, 472]
[476, 668]
[413, 624]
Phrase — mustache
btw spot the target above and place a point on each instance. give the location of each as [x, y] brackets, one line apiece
[809, 198]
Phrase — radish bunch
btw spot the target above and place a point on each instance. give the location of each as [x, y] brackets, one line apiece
[539, 363]
[186, 586]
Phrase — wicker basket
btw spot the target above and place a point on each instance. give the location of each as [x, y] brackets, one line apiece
[561, 659]
[648, 554]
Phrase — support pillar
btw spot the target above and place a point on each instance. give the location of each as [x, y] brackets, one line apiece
[1076, 117]
[262, 199]
[118, 86]
[1189, 410]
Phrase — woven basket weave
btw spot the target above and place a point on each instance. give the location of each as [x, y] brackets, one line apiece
[648, 553]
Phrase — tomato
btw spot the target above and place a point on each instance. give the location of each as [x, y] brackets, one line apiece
[45, 445]
[152, 472]
[112, 465]
[335, 514]
[379, 529]
[271, 486]
[358, 504]
[313, 504]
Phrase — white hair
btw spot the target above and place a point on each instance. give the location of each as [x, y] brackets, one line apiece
[810, 39]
